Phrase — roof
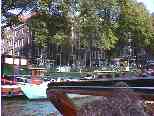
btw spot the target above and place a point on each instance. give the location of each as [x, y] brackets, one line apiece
[37, 68]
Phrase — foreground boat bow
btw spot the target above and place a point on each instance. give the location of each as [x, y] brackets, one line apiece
[57, 92]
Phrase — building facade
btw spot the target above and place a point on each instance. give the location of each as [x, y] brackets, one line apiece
[16, 44]
[16, 41]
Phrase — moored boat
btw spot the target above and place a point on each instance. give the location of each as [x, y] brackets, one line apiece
[34, 91]
[10, 87]
[11, 91]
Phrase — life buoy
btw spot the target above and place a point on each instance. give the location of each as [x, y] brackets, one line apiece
[10, 93]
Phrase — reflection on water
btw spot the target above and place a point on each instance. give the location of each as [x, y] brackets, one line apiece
[24, 107]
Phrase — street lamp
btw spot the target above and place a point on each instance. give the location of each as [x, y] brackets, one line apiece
[13, 53]
[130, 49]
[130, 44]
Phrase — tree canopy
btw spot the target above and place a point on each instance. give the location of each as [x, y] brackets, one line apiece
[101, 24]
[135, 18]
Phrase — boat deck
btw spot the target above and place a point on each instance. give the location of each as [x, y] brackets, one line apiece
[57, 91]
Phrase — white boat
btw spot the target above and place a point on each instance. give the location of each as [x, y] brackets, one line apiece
[63, 69]
[34, 91]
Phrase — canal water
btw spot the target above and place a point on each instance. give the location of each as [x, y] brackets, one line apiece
[25, 107]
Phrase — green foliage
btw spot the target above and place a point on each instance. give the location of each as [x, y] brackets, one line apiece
[108, 39]
[96, 24]
[134, 18]
[100, 23]
[151, 46]
[59, 38]
[49, 29]
[101, 28]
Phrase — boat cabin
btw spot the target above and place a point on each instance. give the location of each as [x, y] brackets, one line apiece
[37, 73]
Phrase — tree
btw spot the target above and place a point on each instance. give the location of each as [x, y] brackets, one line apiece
[101, 24]
[96, 23]
[52, 29]
[151, 46]
[134, 18]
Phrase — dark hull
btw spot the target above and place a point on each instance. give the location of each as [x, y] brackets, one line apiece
[143, 87]
[11, 91]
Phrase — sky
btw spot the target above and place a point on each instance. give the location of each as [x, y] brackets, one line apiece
[149, 4]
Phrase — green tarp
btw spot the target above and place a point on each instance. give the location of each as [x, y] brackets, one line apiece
[9, 69]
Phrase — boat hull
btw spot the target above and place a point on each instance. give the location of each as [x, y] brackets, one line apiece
[33, 91]
[11, 91]
[57, 92]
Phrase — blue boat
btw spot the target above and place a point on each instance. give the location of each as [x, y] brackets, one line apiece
[34, 91]
[36, 88]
